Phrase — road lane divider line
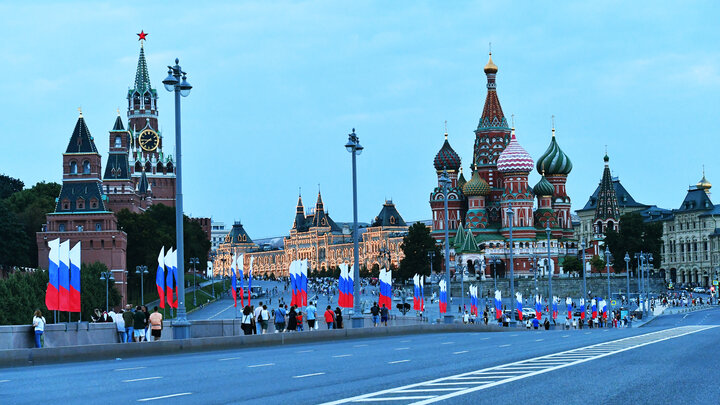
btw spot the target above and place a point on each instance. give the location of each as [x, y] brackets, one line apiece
[142, 379]
[4, 381]
[398, 361]
[362, 345]
[447, 343]
[261, 365]
[180, 394]
[547, 363]
[304, 351]
[342, 355]
[461, 352]
[130, 368]
[308, 375]
[231, 358]
[402, 348]
[504, 346]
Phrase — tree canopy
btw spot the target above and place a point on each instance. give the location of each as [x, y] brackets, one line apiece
[635, 236]
[416, 245]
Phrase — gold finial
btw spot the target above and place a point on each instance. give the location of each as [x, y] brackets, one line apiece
[552, 117]
[512, 121]
[543, 169]
[80, 111]
[446, 134]
[118, 111]
[490, 67]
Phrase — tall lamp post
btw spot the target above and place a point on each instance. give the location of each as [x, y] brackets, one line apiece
[212, 273]
[107, 277]
[550, 267]
[627, 273]
[494, 260]
[177, 81]
[353, 146]
[583, 245]
[194, 261]
[462, 267]
[607, 268]
[510, 213]
[534, 258]
[141, 270]
[444, 182]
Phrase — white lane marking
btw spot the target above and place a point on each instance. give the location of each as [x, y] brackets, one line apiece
[447, 343]
[129, 368]
[398, 361]
[342, 355]
[630, 343]
[165, 396]
[142, 379]
[539, 340]
[396, 398]
[221, 311]
[261, 365]
[405, 341]
[402, 348]
[461, 352]
[363, 345]
[307, 375]
[304, 351]
[3, 381]
[686, 316]
[230, 358]
[485, 338]
[565, 335]
[429, 390]
[504, 346]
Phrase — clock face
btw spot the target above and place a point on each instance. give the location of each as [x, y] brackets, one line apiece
[149, 140]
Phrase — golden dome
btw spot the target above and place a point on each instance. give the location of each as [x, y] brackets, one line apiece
[704, 184]
[491, 67]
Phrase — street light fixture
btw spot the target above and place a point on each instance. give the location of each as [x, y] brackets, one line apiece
[607, 268]
[353, 146]
[444, 182]
[583, 245]
[494, 261]
[141, 270]
[176, 81]
[107, 277]
[627, 273]
[510, 213]
[549, 266]
[194, 261]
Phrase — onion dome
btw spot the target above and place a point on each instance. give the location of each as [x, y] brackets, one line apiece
[490, 67]
[554, 160]
[446, 158]
[514, 158]
[703, 184]
[543, 188]
[461, 180]
[477, 186]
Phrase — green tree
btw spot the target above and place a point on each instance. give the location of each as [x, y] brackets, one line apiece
[9, 185]
[635, 235]
[13, 242]
[597, 263]
[571, 264]
[416, 245]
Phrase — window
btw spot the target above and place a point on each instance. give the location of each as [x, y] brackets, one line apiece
[61, 227]
[98, 227]
[80, 204]
[79, 228]
[73, 167]
[66, 204]
[118, 141]
[93, 203]
[86, 167]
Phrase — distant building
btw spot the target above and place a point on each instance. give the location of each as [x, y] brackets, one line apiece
[217, 235]
[317, 238]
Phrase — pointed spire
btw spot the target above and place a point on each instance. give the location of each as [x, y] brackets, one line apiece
[118, 123]
[607, 203]
[142, 78]
[81, 141]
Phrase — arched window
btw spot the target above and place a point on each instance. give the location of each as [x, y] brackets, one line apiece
[170, 167]
[160, 167]
[73, 167]
[148, 168]
[86, 167]
[138, 167]
[118, 141]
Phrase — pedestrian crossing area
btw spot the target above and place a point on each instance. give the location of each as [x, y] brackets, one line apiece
[445, 388]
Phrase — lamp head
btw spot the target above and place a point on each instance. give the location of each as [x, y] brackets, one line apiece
[170, 81]
[184, 86]
[627, 257]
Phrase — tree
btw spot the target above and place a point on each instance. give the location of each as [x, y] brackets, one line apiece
[636, 235]
[415, 246]
[9, 185]
[13, 242]
[597, 263]
[571, 264]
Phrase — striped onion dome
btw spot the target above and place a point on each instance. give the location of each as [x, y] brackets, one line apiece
[554, 160]
[477, 186]
[543, 188]
[446, 158]
[514, 158]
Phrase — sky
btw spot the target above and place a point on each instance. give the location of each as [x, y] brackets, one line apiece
[277, 86]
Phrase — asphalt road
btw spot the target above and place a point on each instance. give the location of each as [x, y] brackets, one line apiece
[669, 371]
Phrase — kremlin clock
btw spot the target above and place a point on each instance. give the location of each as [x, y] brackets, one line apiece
[149, 140]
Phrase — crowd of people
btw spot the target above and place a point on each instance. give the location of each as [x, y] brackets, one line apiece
[133, 324]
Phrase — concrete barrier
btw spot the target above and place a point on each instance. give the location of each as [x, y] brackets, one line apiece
[105, 351]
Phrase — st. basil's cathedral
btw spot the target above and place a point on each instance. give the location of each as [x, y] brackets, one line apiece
[478, 220]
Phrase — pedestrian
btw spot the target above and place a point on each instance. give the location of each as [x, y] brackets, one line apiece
[567, 323]
[256, 317]
[546, 324]
[338, 318]
[120, 325]
[536, 323]
[147, 323]
[574, 323]
[375, 311]
[264, 319]
[246, 323]
[311, 315]
[329, 317]
[280, 319]
[38, 324]
[139, 324]
[299, 317]
[292, 319]
[128, 318]
[156, 324]
[466, 318]
[384, 315]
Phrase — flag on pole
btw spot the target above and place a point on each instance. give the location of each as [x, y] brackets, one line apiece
[443, 296]
[554, 307]
[341, 285]
[603, 307]
[252, 258]
[385, 288]
[75, 263]
[64, 277]
[473, 300]
[582, 308]
[422, 293]
[416, 293]
[170, 279]
[498, 304]
[303, 282]
[160, 277]
[293, 282]
[241, 270]
[350, 286]
[518, 297]
[233, 279]
[51, 293]
[593, 308]
[568, 302]
[538, 307]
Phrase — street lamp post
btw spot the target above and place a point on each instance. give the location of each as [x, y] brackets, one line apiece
[353, 146]
[462, 267]
[444, 182]
[141, 270]
[177, 81]
[607, 268]
[194, 261]
[511, 214]
[550, 270]
[107, 277]
[584, 268]
[494, 260]
[627, 273]
[534, 258]
[431, 255]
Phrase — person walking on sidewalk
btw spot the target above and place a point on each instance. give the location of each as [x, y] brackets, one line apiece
[120, 325]
[264, 319]
[256, 317]
[129, 321]
[330, 317]
[375, 312]
[384, 315]
[280, 319]
[39, 325]
[156, 325]
[246, 323]
[311, 312]
[139, 324]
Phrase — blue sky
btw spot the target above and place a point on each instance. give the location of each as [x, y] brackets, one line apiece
[278, 86]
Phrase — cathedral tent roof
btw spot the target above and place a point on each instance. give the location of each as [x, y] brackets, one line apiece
[389, 216]
[81, 141]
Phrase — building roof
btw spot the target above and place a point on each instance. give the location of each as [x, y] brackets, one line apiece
[142, 77]
[695, 200]
[514, 158]
[75, 191]
[554, 160]
[299, 223]
[238, 234]
[81, 141]
[117, 167]
[446, 157]
[492, 115]
[389, 216]
[143, 186]
[118, 124]
[607, 202]
[625, 200]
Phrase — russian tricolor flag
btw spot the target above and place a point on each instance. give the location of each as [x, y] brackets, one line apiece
[568, 302]
[473, 300]
[518, 297]
[51, 294]
[538, 307]
[233, 279]
[555, 307]
[498, 304]
[252, 258]
[603, 306]
[582, 308]
[350, 285]
[75, 263]
[593, 307]
[293, 292]
[416, 292]
[385, 288]
[170, 279]
[241, 278]
[341, 285]
[64, 277]
[160, 277]
[303, 282]
[422, 293]
[443, 296]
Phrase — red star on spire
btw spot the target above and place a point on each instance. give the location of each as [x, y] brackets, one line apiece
[142, 36]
